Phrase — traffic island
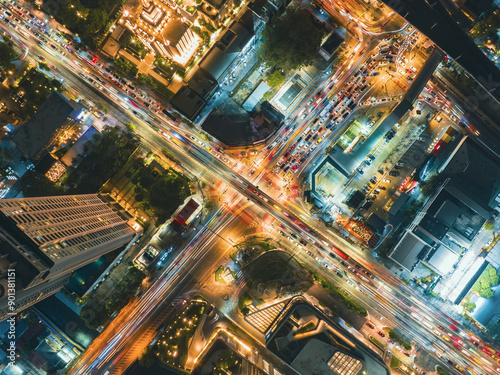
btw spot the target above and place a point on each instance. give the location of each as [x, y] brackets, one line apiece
[224, 275]
[396, 363]
[273, 275]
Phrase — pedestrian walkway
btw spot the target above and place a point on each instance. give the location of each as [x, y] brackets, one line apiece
[262, 319]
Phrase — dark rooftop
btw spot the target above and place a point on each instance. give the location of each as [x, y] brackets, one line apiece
[38, 131]
[187, 102]
[332, 43]
[475, 176]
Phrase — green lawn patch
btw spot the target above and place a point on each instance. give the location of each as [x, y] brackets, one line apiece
[218, 277]
[394, 362]
[399, 339]
[376, 342]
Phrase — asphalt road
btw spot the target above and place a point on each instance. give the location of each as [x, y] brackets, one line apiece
[410, 307]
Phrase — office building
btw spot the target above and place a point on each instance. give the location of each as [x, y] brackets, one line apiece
[45, 239]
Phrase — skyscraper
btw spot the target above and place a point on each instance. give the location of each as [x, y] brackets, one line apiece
[44, 239]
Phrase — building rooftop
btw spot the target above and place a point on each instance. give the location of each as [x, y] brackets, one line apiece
[475, 174]
[409, 251]
[38, 131]
[224, 52]
[442, 260]
[187, 102]
[202, 83]
[256, 96]
[174, 30]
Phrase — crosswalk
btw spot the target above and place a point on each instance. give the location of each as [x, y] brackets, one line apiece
[262, 319]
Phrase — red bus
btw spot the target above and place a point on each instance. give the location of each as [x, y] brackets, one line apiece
[340, 253]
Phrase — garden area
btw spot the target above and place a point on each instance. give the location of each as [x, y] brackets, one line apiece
[90, 22]
[488, 279]
[35, 87]
[162, 192]
[272, 275]
[95, 313]
[220, 359]
[441, 371]
[396, 363]
[105, 154]
[393, 335]
[172, 347]
[133, 45]
[7, 54]
[250, 250]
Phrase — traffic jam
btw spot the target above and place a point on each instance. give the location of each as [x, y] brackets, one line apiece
[334, 110]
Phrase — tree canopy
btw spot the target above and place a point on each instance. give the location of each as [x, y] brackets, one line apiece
[107, 154]
[432, 183]
[489, 278]
[7, 54]
[275, 79]
[290, 41]
[489, 225]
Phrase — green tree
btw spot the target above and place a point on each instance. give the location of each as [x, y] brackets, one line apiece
[7, 55]
[275, 79]
[94, 314]
[147, 80]
[5, 155]
[432, 183]
[148, 358]
[209, 204]
[290, 41]
[168, 154]
[166, 194]
[130, 127]
[43, 66]
[469, 306]
[489, 225]
[226, 360]
[94, 23]
[486, 293]
[34, 184]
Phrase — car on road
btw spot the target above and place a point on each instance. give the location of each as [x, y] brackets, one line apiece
[446, 338]
[369, 325]
[381, 334]
[41, 58]
[486, 351]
